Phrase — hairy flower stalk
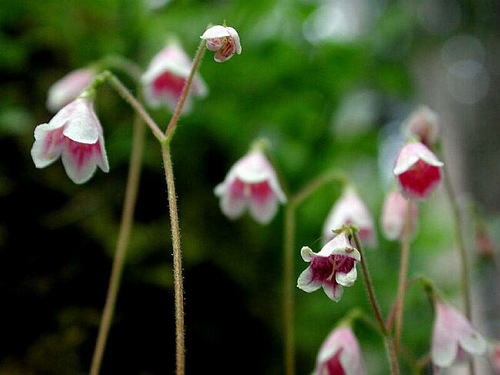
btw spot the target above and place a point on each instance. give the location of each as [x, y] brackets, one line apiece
[388, 341]
[164, 139]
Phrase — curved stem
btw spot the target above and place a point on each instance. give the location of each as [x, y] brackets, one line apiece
[388, 342]
[185, 91]
[121, 63]
[121, 245]
[177, 259]
[403, 271]
[288, 289]
[317, 183]
[133, 102]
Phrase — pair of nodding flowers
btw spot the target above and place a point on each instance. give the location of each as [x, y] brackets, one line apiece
[75, 133]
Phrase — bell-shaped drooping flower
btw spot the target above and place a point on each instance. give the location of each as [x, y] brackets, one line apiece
[165, 77]
[340, 354]
[74, 134]
[417, 170]
[453, 336]
[251, 182]
[350, 210]
[224, 40]
[423, 126]
[333, 268]
[394, 214]
[69, 88]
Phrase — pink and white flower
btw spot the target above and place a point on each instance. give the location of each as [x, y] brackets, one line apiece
[417, 170]
[350, 210]
[69, 88]
[340, 354]
[453, 336]
[251, 183]
[422, 124]
[165, 77]
[394, 215]
[224, 40]
[74, 134]
[333, 268]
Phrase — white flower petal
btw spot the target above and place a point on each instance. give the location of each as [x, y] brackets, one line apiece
[305, 281]
[234, 34]
[47, 147]
[333, 291]
[347, 279]
[263, 212]
[79, 169]
[307, 254]
[217, 31]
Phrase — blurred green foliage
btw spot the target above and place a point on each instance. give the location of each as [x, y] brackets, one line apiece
[57, 239]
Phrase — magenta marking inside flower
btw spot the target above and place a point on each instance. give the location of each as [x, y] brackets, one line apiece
[420, 178]
[168, 83]
[53, 142]
[83, 153]
[261, 191]
[333, 366]
[325, 268]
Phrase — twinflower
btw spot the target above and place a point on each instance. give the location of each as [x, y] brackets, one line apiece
[165, 77]
[68, 88]
[350, 210]
[74, 134]
[333, 268]
[453, 336]
[340, 354]
[251, 183]
[224, 40]
[417, 170]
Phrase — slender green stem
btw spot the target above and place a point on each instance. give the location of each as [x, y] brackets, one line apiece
[388, 342]
[172, 125]
[288, 289]
[177, 260]
[403, 272]
[465, 285]
[316, 184]
[120, 63]
[121, 245]
[289, 265]
[134, 103]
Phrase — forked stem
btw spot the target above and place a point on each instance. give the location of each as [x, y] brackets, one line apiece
[172, 125]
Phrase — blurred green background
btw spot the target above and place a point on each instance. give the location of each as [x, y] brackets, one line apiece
[327, 82]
